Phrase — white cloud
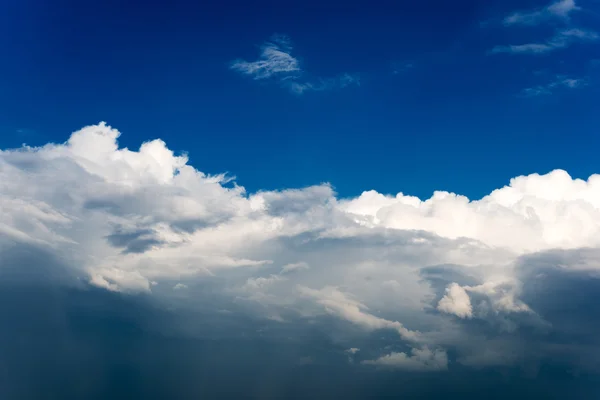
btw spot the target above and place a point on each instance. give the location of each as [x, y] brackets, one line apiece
[560, 9]
[353, 350]
[563, 82]
[560, 40]
[132, 221]
[340, 304]
[256, 284]
[456, 301]
[179, 286]
[275, 58]
[294, 267]
[276, 62]
[533, 213]
[420, 360]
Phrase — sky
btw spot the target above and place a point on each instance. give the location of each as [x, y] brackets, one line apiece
[300, 200]
[428, 88]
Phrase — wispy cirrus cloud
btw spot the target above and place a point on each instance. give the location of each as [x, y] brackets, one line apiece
[563, 38]
[275, 59]
[277, 63]
[560, 40]
[559, 82]
[559, 10]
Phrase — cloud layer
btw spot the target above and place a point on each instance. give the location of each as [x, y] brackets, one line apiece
[446, 281]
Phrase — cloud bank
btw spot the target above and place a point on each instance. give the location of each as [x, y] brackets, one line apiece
[429, 286]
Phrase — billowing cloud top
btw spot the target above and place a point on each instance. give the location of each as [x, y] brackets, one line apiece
[453, 280]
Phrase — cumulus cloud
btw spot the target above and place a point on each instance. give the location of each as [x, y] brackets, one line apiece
[561, 9]
[277, 63]
[385, 270]
[456, 301]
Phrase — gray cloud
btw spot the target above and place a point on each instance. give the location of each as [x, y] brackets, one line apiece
[446, 290]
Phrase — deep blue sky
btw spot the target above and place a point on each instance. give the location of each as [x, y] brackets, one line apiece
[454, 121]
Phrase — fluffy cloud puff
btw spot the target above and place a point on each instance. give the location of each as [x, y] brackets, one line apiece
[444, 276]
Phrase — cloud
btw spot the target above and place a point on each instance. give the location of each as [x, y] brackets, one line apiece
[560, 82]
[275, 59]
[420, 360]
[277, 63]
[560, 40]
[294, 267]
[464, 283]
[340, 304]
[179, 286]
[456, 301]
[558, 10]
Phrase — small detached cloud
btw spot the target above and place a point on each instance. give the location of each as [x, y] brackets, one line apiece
[400, 67]
[180, 286]
[276, 63]
[560, 40]
[559, 10]
[421, 360]
[275, 59]
[294, 267]
[561, 82]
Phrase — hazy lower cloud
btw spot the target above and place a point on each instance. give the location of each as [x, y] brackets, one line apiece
[276, 63]
[177, 280]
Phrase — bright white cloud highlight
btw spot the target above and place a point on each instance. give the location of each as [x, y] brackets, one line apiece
[456, 301]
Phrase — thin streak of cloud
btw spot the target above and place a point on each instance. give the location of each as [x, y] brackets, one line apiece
[560, 9]
[549, 88]
[561, 40]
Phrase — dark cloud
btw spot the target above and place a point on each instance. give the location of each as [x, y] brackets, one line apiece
[137, 241]
[70, 343]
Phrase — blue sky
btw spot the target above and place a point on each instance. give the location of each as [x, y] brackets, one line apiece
[431, 105]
